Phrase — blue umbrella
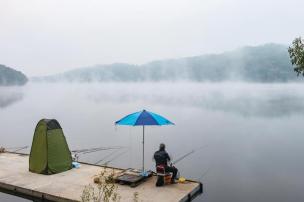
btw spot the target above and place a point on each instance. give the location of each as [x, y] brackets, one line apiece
[143, 118]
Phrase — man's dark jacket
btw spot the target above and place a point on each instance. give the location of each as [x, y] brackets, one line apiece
[161, 157]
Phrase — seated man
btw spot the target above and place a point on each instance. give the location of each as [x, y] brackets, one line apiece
[162, 158]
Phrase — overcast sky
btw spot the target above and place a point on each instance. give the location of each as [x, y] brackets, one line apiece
[45, 37]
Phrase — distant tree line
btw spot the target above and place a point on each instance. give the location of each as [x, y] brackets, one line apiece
[267, 63]
[9, 76]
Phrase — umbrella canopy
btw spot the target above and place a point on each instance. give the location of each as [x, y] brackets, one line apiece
[143, 118]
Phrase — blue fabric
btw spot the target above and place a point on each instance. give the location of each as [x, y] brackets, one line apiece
[129, 119]
[161, 120]
[143, 118]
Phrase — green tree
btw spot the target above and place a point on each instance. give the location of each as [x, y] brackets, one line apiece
[296, 54]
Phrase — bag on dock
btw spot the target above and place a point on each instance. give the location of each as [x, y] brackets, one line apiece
[50, 153]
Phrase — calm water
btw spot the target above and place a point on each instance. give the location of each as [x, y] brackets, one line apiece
[253, 133]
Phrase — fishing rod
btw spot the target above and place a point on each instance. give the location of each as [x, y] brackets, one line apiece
[21, 149]
[85, 150]
[185, 156]
[94, 149]
[107, 156]
[204, 174]
[13, 147]
[77, 153]
[182, 157]
[115, 157]
[188, 154]
[18, 148]
[101, 149]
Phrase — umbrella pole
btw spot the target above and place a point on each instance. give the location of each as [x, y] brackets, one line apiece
[143, 157]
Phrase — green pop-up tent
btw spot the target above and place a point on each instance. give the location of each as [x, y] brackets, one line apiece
[50, 153]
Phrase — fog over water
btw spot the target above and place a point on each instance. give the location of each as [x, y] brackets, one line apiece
[9, 95]
[253, 133]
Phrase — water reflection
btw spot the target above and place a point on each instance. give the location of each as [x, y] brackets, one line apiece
[11, 198]
[10, 95]
[265, 100]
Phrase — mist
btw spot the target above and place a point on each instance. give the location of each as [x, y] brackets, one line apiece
[266, 63]
[218, 69]
[253, 132]
[10, 95]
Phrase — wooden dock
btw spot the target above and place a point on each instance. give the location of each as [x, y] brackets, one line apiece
[67, 186]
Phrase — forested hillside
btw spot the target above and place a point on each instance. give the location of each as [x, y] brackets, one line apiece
[9, 76]
[267, 63]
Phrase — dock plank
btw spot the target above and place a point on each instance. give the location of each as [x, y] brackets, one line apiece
[68, 186]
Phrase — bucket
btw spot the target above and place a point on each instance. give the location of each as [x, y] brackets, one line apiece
[167, 179]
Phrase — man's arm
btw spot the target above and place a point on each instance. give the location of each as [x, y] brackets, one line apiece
[168, 157]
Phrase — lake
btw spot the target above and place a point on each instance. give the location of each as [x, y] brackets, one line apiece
[248, 138]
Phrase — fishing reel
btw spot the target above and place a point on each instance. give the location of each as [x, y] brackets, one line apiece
[75, 157]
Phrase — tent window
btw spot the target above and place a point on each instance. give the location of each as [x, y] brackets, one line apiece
[52, 124]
